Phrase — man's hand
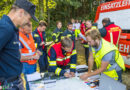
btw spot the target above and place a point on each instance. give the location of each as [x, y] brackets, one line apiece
[84, 76]
[42, 43]
[36, 57]
[72, 74]
[39, 52]
[66, 74]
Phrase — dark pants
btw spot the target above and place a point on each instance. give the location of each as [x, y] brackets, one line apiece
[13, 85]
[86, 54]
[43, 62]
[119, 75]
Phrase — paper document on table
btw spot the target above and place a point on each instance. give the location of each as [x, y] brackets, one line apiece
[81, 66]
[36, 86]
[33, 77]
[69, 84]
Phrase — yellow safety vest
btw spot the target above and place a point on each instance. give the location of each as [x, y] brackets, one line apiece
[106, 48]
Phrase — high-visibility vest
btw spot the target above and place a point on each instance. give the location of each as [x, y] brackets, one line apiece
[62, 60]
[106, 48]
[113, 34]
[28, 47]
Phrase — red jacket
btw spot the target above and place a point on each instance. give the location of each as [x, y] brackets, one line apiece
[114, 29]
[82, 27]
[58, 59]
[62, 60]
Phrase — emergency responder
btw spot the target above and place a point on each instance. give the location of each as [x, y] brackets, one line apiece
[106, 55]
[69, 32]
[40, 40]
[62, 55]
[110, 32]
[82, 27]
[89, 26]
[56, 36]
[29, 56]
[10, 65]
[77, 29]
[73, 24]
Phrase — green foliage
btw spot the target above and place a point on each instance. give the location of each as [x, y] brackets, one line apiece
[5, 6]
[53, 10]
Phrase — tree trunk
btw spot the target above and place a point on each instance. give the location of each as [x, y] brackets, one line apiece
[40, 9]
[48, 12]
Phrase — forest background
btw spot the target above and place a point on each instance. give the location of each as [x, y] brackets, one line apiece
[53, 10]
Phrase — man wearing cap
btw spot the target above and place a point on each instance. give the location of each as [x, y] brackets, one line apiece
[10, 65]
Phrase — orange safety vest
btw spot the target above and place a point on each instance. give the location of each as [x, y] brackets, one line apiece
[29, 47]
[61, 60]
[113, 33]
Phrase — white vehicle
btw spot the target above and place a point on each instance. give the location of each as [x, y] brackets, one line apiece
[119, 13]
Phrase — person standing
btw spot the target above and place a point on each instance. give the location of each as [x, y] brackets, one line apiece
[29, 54]
[89, 26]
[56, 36]
[110, 32]
[69, 32]
[77, 29]
[39, 36]
[82, 27]
[73, 23]
[10, 66]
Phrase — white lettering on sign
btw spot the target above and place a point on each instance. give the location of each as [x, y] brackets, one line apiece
[121, 47]
[123, 37]
[115, 5]
[124, 48]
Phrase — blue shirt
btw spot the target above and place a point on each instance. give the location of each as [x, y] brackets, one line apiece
[58, 33]
[69, 33]
[10, 64]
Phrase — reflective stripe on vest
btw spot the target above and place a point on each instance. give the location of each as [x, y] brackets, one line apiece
[61, 59]
[28, 54]
[111, 38]
[24, 43]
[30, 51]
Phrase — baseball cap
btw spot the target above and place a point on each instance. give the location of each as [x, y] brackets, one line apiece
[27, 6]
